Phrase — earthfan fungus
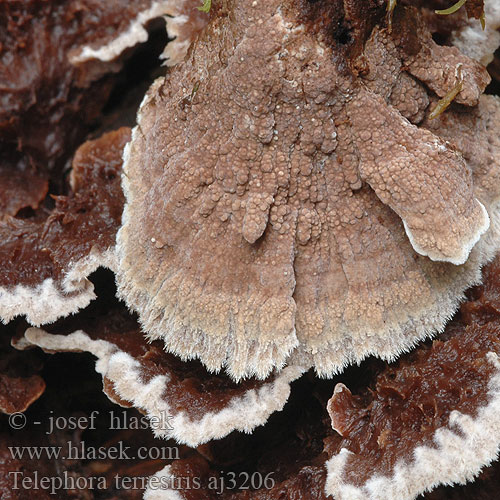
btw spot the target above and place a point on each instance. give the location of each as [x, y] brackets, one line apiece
[56, 252]
[307, 188]
[425, 420]
[284, 202]
[53, 85]
[200, 406]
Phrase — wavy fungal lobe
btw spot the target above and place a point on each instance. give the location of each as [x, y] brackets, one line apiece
[286, 200]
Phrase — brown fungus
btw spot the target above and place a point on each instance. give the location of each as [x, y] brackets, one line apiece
[48, 102]
[289, 206]
[200, 406]
[430, 418]
[47, 258]
[427, 421]
[20, 382]
[183, 21]
[48, 98]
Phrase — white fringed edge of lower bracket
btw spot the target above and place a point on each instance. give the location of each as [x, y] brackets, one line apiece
[48, 301]
[243, 413]
[457, 457]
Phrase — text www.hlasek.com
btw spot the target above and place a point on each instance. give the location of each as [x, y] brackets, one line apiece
[84, 452]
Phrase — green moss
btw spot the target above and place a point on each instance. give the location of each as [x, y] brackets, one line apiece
[391, 5]
[457, 6]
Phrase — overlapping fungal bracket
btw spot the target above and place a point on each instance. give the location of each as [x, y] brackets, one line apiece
[48, 257]
[49, 101]
[285, 198]
[441, 428]
[72, 475]
[431, 418]
[342, 219]
[57, 65]
[184, 21]
[59, 80]
[199, 406]
[47, 104]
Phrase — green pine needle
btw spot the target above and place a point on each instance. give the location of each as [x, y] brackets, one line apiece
[207, 4]
[452, 9]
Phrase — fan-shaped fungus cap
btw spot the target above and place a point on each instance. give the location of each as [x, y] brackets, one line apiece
[279, 200]
[430, 419]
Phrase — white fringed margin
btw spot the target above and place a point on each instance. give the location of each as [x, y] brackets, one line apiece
[177, 14]
[161, 486]
[458, 456]
[467, 245]
[243, 413]
[48, 301]
[135, 34]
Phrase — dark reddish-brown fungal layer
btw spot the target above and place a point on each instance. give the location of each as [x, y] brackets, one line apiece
[74, 391]
[190, 388]
[412, 399]
[20, 381]
[47, 104]
[54, 234]
[88, 217]
[474, 8]
[383, 411]
[202, 406]
[20, 188]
